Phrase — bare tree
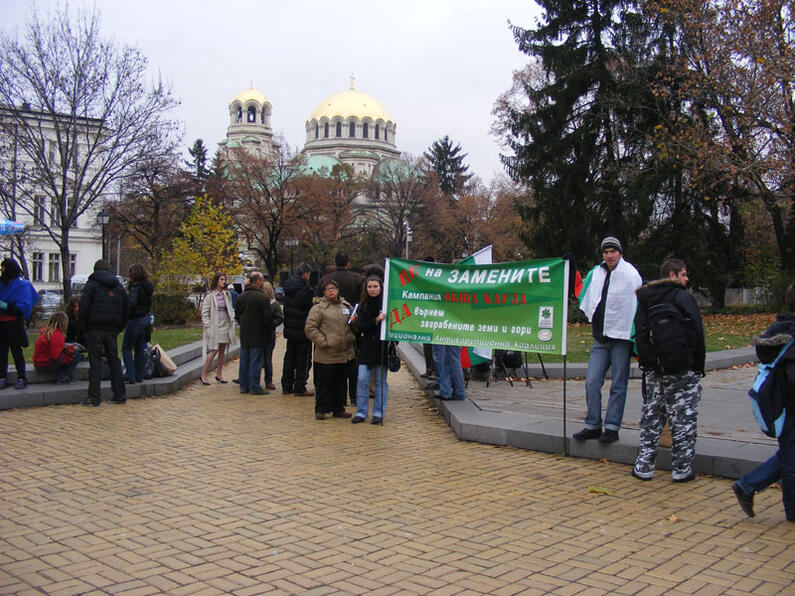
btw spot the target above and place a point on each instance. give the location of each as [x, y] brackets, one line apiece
[83, 114]
[399, 192]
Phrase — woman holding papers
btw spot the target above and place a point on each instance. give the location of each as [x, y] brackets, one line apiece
[372, 352]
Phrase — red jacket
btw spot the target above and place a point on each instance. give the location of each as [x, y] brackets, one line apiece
[47, 350]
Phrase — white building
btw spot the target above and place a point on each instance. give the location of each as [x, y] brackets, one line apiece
[34, 204]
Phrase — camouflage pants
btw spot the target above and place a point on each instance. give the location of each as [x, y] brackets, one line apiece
[676, 398]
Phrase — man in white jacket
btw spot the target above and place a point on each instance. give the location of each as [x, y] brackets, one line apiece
[608, 300]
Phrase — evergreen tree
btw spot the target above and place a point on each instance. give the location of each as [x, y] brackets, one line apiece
[199, 162]
[579, 140]
[448, 163]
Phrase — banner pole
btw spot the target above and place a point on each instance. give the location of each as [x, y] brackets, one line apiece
[565, 438]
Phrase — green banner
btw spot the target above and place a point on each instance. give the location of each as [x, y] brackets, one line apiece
[505, 306]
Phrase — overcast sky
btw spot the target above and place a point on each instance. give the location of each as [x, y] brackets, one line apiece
[437, 66]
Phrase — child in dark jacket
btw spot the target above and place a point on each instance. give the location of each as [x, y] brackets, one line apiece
[51, 353]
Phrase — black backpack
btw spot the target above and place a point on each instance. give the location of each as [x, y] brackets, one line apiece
[666, 343]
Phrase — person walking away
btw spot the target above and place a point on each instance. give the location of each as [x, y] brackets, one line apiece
[278, 319]
[780, 467]
[670, 344]
[17, 298]
[102, 313]
[51, 352]
[138, 330]
[219, 327]
[350, 284]
[297, 353]
[327, 327]
[372, 352]
[255, 316]
[608, 300]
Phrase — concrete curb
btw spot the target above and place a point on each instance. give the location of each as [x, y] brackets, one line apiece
[720, 457]
[43, 393]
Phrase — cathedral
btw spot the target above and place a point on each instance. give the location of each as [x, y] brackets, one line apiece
[348, 127]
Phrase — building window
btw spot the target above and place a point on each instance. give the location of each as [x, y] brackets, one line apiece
[239, 115]
[365, 131]
[317, 130]
[385, 131]
[51, 153]
[352, 130]
[72, 264]
[251, 114]
[376, 131]
[38, 210]
[263, 115]
[325, 130]
[339, 129]
[55, 213]
[55, 266]
[38, 266]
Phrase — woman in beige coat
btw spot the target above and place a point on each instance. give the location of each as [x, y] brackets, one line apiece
[327, 326]
[219, 326]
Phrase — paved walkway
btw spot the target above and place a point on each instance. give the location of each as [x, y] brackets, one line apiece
[207, 491]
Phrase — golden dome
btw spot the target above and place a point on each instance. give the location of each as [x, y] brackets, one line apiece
[350, 103]
[250, 94]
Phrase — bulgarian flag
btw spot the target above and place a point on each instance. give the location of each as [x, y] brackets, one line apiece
[474, 356]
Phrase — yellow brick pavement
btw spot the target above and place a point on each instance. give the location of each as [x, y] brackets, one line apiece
[211, 492]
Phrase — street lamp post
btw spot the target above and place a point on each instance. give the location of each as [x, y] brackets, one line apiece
[291, 244]
[103, 217]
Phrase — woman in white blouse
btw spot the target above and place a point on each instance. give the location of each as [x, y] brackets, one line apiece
[218, 318]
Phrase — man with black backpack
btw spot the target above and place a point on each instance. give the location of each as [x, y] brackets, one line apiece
[780, 466]
[669, 337]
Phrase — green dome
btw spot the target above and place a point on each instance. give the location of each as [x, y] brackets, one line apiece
[359, 154]
[320, 165]
[390, 168]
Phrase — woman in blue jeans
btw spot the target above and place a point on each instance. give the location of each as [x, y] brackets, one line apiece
[372, 352]
[137, 331]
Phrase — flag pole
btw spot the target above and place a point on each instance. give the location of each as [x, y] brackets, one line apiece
[565, 438]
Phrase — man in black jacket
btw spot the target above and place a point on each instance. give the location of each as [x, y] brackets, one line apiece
[672, 385]
[102, 313]
[298, 354]
[255, 316]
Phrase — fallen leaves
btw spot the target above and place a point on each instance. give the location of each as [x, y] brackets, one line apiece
[599, 490]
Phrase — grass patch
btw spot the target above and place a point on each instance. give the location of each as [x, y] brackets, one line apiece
[167, 337]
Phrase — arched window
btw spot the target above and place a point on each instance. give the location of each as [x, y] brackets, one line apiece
[385, 133]
[339, 129]
[325, 130]
[251, 114]
[239, 115]
[317, 129]
[263, 115]
[352, 130]
[376, 131]
[364, 130]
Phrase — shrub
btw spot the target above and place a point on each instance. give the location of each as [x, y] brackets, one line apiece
[171, 308]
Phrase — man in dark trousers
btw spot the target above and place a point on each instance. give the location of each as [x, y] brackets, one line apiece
[255, 316]
[298, 353]
[780, 467]
[102, 314]
[350, 284]
[671, 353]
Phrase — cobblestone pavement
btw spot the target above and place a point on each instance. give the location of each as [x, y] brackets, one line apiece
[211, 492]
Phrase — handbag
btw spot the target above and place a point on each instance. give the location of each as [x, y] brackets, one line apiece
[166, 362]
[392, 358]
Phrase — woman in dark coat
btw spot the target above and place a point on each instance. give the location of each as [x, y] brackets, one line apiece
[138, 328]
[17, 297]
[372, 352]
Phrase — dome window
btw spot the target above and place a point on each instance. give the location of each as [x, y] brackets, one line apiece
[239, 115]
[251, 114]
[263, 115]
[317, 129]
[376, 132]
[339, 129]
[385, 131]
[325, 130]
[365, 132]
[352, 130]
